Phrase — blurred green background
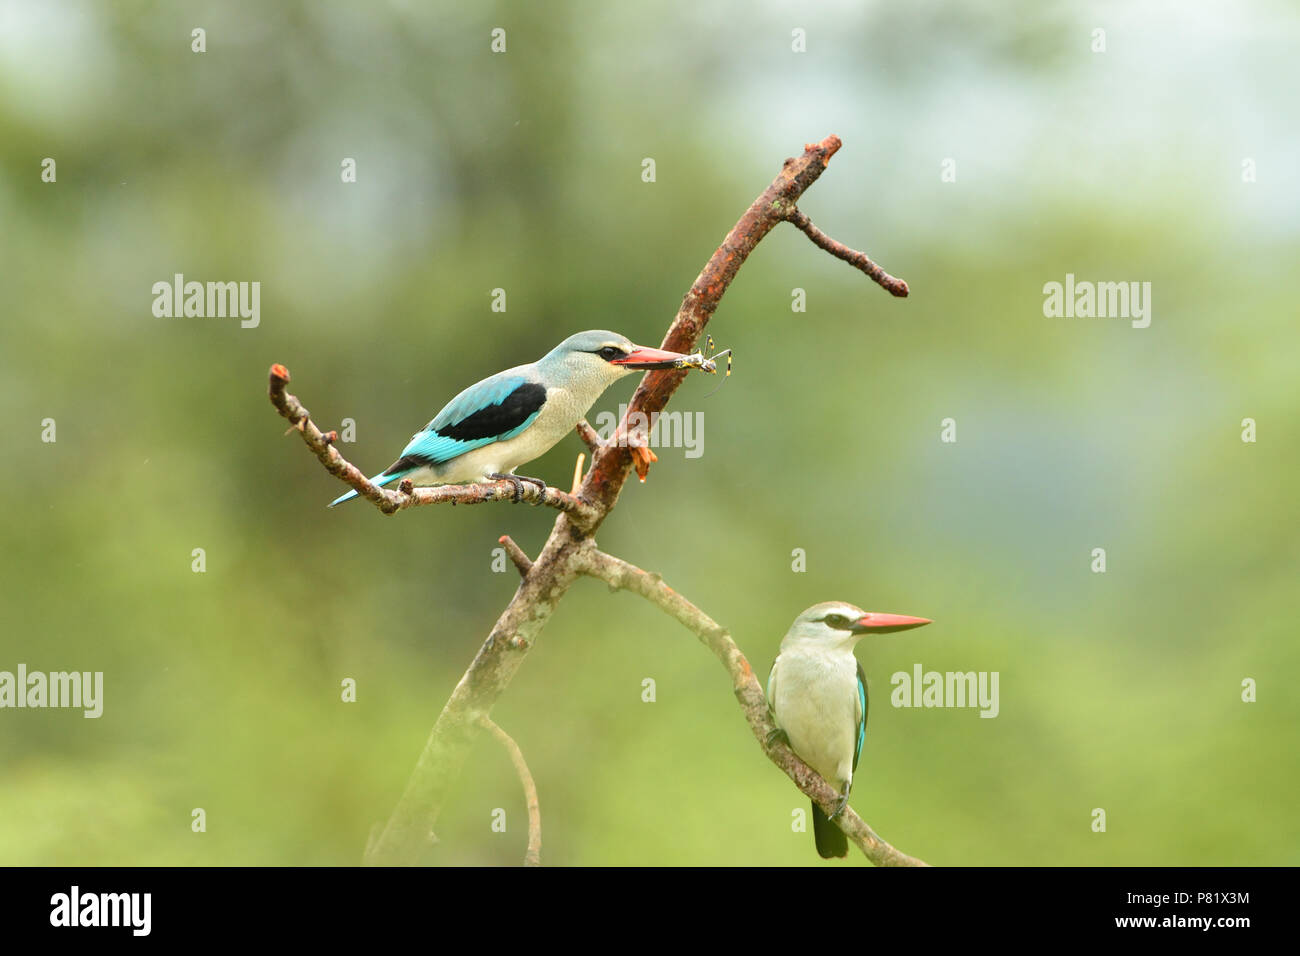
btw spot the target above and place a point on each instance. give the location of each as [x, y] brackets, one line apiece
[522, 170]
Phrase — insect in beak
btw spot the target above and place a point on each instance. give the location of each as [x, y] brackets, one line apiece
[707, 363]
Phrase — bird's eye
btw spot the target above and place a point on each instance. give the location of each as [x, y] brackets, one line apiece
[610, 352]
[836, 620]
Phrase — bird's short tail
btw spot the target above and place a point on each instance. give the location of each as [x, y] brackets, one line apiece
[380, 479]
[831, 841]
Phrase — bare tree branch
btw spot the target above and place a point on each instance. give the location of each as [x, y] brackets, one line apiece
[569, 549]
[390, 502]
[859, 260]
[409, 830]
[618, 573]
[533, 855]
[610, 468]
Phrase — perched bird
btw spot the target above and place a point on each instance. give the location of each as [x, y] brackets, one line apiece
[818, 697]
[512, 417]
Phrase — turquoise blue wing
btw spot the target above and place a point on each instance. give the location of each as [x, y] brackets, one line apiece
[495, 409]
[862, 716]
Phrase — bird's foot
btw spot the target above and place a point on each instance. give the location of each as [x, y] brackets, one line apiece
[518, 482]
[515, 481]
[778, 734]
[541, 486]
[844, 802]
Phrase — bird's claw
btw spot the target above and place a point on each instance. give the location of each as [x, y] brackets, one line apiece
[839, 807]
[515, 481]
[518, 482]
[541, 487]
[777, 734]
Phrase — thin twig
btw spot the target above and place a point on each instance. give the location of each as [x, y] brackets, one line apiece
[484, 491]
[577, 474]
[859, 260]
[620, 574]
[516, 554]
[533, 855]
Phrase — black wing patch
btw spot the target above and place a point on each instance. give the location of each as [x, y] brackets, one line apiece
[496, 420]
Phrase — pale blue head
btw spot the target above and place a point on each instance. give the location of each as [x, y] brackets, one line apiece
[603, 355]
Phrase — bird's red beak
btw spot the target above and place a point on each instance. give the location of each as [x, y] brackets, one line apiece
[887, 623]
[645, 358]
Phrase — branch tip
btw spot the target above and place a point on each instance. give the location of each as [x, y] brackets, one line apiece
[590, 436]
[516, 554]
[825, 149]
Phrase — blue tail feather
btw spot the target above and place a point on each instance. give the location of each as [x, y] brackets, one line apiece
[380, 479]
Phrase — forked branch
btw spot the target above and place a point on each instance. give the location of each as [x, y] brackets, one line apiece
[570, 549]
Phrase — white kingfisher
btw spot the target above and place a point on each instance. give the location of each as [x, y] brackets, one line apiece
[817, 693]
[512, 417]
